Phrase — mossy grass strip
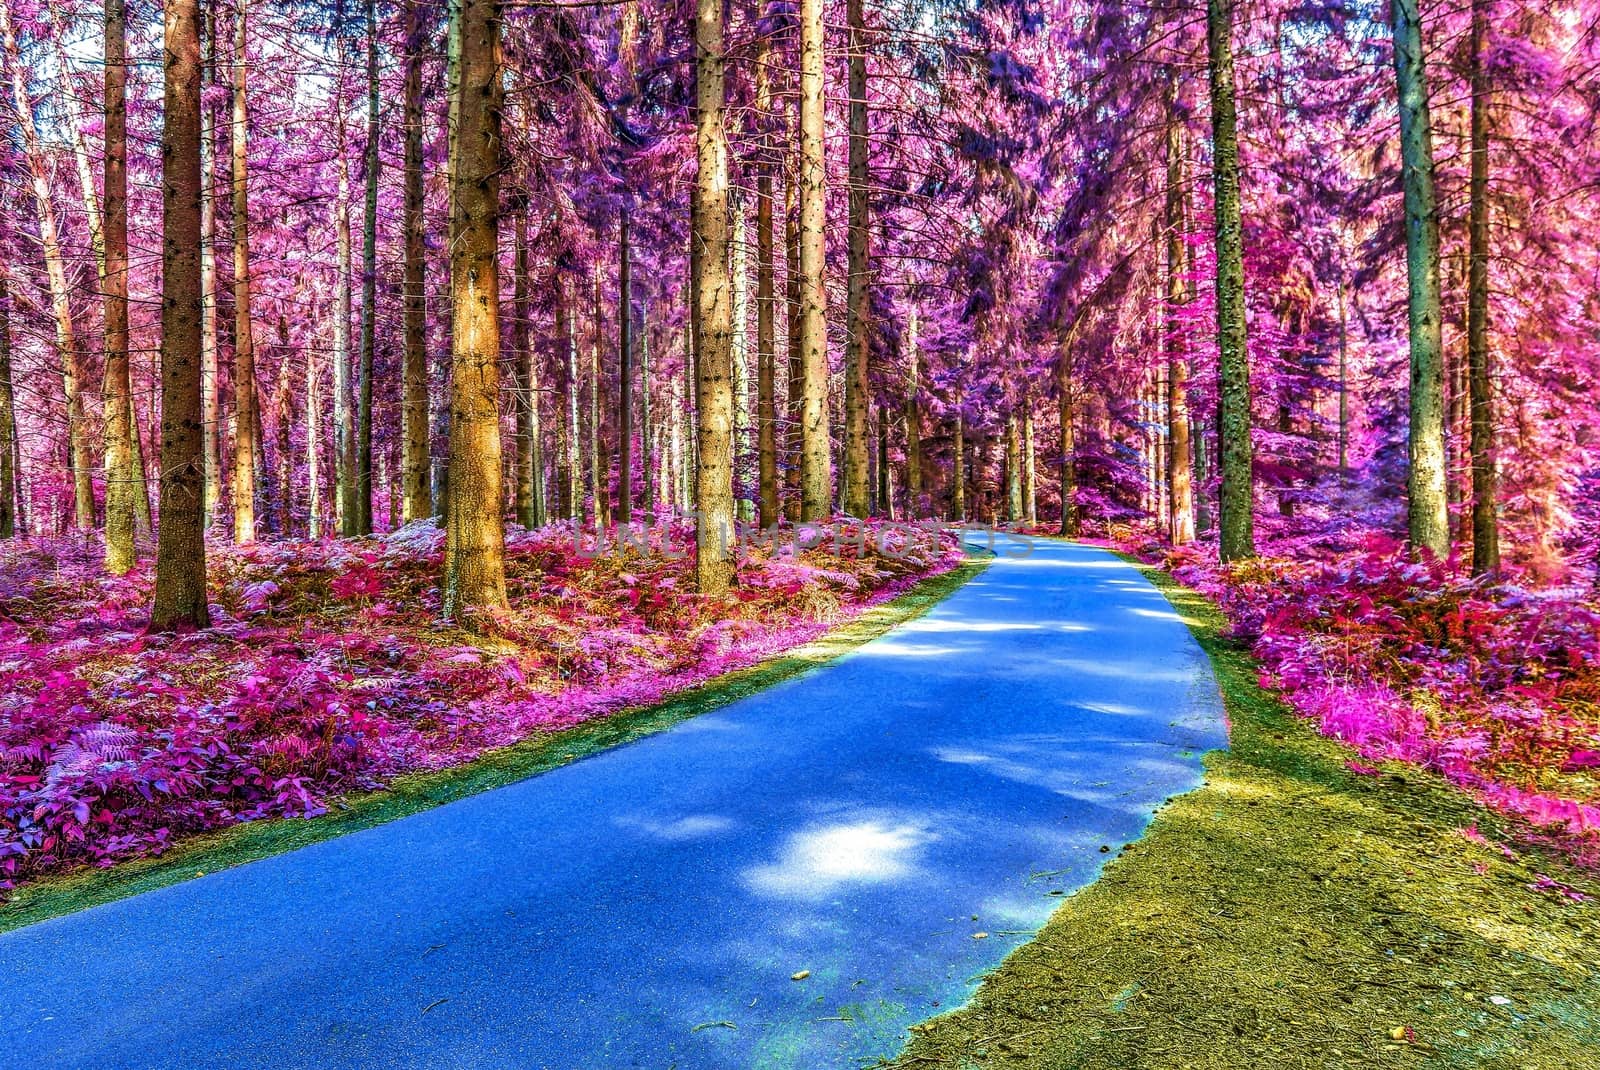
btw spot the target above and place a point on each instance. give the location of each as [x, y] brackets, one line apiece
[411, 793]
[1297, 914]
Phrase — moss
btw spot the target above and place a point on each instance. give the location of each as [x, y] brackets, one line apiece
[411, 793]
[1292, 913]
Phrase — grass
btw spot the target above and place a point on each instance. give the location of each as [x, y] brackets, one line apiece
[1291, 913]
[409, 794]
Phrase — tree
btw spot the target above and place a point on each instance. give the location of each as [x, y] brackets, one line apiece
[766, 313]
[1427, 496]
[1180, 521]
[56, 277]
[1485, 518]
[369, 287]
[858, 298]
[246, 410]
[625, 372]
[180, 587]
[713, 311]
[816, 463]
[1233, 360]
[121, 474]
[8, 417]
[416, 497]
[474, 560]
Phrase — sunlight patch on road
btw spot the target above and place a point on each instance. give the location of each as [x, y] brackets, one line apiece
[820, 861]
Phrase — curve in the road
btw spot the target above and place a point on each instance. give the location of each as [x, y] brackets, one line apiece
[649, 906]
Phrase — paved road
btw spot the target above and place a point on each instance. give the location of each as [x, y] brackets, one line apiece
[648, 906]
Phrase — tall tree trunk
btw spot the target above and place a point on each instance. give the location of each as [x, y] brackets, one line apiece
[1485, 522]
[739, 282]
[56, 275]
[794, 387]
[1030, 484]
[958, 485]
[8, 417]
[1013, 469]
[766, 341]
[1428, 510]
[369, 286]
[180, 588]
[314, 508]
[120, 474]
[625, 373]
[80, 144]
[567, 334]
[244, 349]
[816, 464]
[1180, 518]
[417, 497]
[1069, 442]
[530, 455]
[474, 565]
[647, 443]
[915, 506]
[1233, 358]
[283, 418]
[210, 380]
[599, 456]
[1344, 384]
[344, 461]
[714, 562]
[858, 298]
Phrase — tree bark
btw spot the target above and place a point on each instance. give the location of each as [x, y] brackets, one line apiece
[474, 565]
[56, 276]
[416, 493]
[714, 562]
[1030, 484]
[766, 337]
[180, 586]
[647, 438]
[1237, 540]
[530, 503]
[915, 506]
[121, 475]
[625, 372]
[1180, 518]
[369, 287]
[344, 450]
[1485, 521]
[816, 463]
[8, 417]
[794, 382]
[246, 411]
[958, 484]
[1428, 510]
[283, 413]
[210, 381]
[858, 296]
[744, 481]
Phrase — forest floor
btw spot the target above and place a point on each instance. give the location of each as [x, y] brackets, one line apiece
[1298, 910]
[327, 689]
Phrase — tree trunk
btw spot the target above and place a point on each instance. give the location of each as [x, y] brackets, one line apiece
[1069, 442]
[567, 336]
[474, 564]
[714, 562]
[210, 381]
[1428, 510]
[766, 311]
[739, 282]
[56, 275]
[647, 438]
[795, 380]
[369, 287]
[625, 373]
[1180, 518]
[283, 406]
[1485, 522]
[314, 525]
[417, 497]
[1233, 358]
[1013, 469]
[180, 587]
[344, 461]
[121, 476]
[599, 458]
[858, 298]
[915, 506]
[816, 464]
[530, 453]
[8, 417]
[1030, 483]
[244, 349]
[958, 485]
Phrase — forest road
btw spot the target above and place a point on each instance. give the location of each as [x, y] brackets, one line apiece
[893, 823]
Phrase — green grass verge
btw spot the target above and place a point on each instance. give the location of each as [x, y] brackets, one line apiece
[1291, 913]
[239, 844]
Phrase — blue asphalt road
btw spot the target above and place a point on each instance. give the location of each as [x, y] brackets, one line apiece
[648, 906]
